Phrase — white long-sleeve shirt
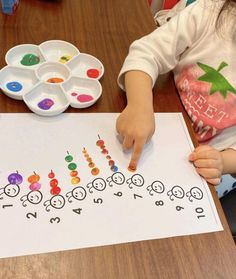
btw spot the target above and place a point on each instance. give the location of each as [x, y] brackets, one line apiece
[203, 60]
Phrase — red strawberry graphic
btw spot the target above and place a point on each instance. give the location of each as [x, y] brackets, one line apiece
[211, 104]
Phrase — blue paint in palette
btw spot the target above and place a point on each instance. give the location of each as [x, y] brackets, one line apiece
[14, 86]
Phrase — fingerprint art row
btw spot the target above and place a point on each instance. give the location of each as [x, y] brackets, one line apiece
[79, 193]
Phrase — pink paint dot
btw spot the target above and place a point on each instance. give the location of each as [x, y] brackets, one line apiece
[74, 94]
[83, 98]
[35, 186]
[93, 73]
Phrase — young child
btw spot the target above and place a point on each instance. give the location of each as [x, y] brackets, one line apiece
[199, 45]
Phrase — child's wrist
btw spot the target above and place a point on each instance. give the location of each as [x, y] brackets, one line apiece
[229, 161]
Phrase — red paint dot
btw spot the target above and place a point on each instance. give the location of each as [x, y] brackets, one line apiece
[51, 174]
[53, 182]
[74, 94]
[55, 191]
[100, 143]
[104, 151]
[93, 73]
[111, 163]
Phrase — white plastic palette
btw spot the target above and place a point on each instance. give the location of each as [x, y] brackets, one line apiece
[51, 76]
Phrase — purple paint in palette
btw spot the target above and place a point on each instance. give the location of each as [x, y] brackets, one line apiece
[46, 104]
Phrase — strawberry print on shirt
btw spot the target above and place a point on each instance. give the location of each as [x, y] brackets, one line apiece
[209, 99]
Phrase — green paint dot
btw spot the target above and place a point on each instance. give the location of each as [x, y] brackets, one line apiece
[69, 158]
[30, 59]
[72, 166]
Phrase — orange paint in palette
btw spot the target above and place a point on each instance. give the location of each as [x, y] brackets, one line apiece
[55, 80]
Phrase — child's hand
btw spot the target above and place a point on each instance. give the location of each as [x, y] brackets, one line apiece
[208, 163]
[135, 126]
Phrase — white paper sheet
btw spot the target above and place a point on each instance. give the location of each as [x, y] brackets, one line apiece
[164, 198]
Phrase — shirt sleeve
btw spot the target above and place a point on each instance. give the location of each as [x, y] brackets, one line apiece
[160, 51]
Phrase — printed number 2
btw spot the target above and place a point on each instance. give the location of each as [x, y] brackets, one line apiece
[29, 215]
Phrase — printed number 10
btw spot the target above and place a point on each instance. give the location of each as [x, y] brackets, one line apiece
[199, 210]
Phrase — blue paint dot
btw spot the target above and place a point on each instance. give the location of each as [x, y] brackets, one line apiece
[14, 86]
[114, 168]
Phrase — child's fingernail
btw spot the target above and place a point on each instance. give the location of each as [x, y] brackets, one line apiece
[131, 168]
[190, 157]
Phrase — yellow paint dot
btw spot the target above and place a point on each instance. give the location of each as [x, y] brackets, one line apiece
[75, 180]
[63, 59]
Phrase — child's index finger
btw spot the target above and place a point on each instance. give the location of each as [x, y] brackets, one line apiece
[137, 150]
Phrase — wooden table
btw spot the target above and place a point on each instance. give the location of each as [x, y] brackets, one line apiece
[105, 29]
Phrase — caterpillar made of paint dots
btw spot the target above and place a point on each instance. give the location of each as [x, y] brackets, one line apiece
[12, 189]
[104, 151]
[34, 196]
[75, 179]
[94, 169]
[57, 201]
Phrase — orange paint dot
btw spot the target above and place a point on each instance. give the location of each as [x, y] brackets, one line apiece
[95, 171]
[73, 173]
[91, 165]
[89, 159]
[75, 180]
[84, 150]
[55, 80]
[131, 168]
[33, 178]
[86, 155]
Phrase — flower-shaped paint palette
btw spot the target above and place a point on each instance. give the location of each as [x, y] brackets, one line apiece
[51, 76]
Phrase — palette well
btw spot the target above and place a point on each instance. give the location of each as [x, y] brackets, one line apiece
[51, 76]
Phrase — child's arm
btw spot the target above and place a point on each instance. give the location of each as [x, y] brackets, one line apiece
[211, 163]
[136, 123]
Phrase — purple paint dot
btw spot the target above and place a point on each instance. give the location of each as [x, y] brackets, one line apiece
[15, 178]
[83, 98]
[46, 104]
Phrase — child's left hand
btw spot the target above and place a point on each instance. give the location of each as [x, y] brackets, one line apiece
[208, 163]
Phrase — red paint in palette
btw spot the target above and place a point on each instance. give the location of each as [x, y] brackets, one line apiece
[93, 73]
